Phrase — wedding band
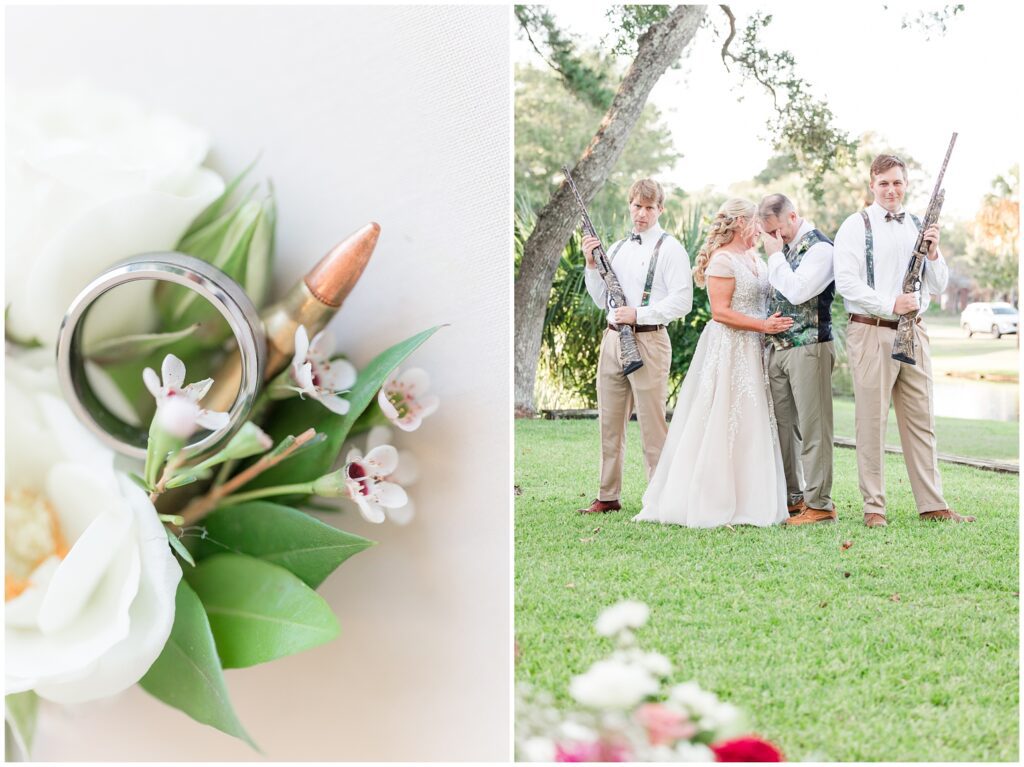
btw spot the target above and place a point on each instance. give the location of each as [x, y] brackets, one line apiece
[211, 284]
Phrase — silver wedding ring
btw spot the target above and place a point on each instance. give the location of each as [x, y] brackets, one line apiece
[211, 284]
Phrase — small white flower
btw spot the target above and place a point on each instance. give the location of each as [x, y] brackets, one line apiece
[628, 614]
[406, 474]
[705, 709]
[366, 483]
[611, 684]
[178, 412]
[403, 399]
[656, 663]
[315, 374]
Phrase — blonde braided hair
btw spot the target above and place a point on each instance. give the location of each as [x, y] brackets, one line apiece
[735, 216]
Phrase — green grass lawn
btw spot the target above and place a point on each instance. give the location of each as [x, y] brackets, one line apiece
[974, 439]
[810, 640]
[981, 355]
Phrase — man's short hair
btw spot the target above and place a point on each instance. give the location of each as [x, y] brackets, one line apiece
[884, 162]
[775, 205]
[647, 189]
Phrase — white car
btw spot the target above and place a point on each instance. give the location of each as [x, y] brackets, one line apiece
[995, 318]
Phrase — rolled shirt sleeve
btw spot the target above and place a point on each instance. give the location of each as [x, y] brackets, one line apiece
[674, 265]
[850, 266]
[809, 279]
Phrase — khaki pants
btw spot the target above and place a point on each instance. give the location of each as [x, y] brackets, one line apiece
[877, 379]
[801, 384]
[646, 389]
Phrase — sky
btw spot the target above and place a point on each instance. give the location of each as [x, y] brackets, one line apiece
[911, 90]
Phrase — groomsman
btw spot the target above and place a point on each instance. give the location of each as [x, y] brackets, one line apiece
[801, 358]
[872, 251]
[654, 270]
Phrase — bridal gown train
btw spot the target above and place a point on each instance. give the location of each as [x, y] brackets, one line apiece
[721, 464]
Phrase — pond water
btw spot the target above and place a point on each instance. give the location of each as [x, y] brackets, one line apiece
[967, 398]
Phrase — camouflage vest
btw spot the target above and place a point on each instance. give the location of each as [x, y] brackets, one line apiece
[812, 320]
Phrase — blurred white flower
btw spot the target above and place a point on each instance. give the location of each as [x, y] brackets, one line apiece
[692, 752]
[177, 408]
[315, 374]
[89, 577]
[537, 749]
[704, 708]
[628, 614]
[403, 399]
[612, 684]
[92, 178]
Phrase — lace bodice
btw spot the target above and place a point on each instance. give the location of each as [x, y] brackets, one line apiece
[751, 294]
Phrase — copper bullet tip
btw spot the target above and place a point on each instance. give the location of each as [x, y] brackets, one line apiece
[333, 278]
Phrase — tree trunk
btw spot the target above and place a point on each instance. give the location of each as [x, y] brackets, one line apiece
[659, 47]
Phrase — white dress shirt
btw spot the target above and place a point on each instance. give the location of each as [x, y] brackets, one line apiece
[893, 246]
[672, 290]
[810, 278]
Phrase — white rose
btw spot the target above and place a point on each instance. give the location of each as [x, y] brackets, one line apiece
[624, 615]
[92, 178]
[89, 577]
[612, 684]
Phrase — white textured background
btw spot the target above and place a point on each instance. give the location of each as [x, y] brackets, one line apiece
[393, 114]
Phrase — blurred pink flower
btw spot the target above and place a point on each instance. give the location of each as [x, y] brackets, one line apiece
[664, 726]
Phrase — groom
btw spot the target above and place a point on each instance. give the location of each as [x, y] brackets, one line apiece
[802, 358]
[654, 271]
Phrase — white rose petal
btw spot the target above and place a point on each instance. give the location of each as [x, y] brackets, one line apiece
[92, 618]
[92, 178]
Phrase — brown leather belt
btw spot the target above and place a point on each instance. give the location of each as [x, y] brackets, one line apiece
[638, 328]
[869, 320]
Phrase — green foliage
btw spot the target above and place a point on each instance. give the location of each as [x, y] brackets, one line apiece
[803, 635]
[802, 125]
[589, 82]
[187, 674]
[629, 22]
[20, 711]
[259, 611]
[573, 325]
[295, 416]
[302, 544]
[553, 127]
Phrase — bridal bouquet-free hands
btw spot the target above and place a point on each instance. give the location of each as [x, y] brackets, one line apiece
[103, 591]
[629, 713]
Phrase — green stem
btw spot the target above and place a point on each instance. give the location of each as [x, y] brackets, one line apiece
[303, 487]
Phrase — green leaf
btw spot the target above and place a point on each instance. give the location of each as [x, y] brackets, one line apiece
[295, 416]
[297, 542]
[259, 611]
[215, 208]
[133, 348]
[179, 547]
[20, 713]
[187, 675]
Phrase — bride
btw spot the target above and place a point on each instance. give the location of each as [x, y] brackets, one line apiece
[721, 464]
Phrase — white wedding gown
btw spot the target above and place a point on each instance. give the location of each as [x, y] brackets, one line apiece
[721, 464]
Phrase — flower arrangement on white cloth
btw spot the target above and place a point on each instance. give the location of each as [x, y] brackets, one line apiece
[629, 713]
[102, 591]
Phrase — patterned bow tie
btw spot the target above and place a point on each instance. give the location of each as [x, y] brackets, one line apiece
[635, 237]
[898, 218]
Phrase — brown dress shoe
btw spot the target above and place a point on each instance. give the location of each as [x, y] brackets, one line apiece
[600, 507]
[811, 516]
[797, 508]
[944, 515]
[875, 520]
